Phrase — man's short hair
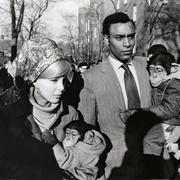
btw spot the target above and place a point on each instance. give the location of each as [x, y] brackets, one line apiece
[118, 17]
[157, 48]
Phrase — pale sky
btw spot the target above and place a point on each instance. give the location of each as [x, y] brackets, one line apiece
[53, 18]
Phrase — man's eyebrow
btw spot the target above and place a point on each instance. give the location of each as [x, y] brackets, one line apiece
[133, 34]
[123, 35]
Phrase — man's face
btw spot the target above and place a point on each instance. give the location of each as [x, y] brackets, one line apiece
[83, 69]
[121, 41]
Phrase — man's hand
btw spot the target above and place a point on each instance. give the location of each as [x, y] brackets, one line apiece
[126, 114]
[49, 138]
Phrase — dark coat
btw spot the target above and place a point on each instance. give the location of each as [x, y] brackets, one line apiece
[71, 95]
[6, 79]
[23, 154]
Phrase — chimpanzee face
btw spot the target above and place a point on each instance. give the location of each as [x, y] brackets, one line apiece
[157, 74]
[71, 137]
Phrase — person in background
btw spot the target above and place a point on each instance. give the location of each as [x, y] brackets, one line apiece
[71, 95]
[5, 77]
[104, 96]
[82, 67]
[40, 75]
[80, 150]
[156, 48]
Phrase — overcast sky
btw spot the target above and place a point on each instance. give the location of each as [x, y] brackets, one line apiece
[53, 17]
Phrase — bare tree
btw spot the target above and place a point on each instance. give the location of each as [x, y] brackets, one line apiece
[25, 14]
[34, 11]
[162, 21]
[70, 32]
[16, 24]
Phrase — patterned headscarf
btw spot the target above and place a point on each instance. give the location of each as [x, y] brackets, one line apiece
[35, 56]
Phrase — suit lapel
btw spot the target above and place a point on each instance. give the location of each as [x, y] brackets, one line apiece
[111, 81]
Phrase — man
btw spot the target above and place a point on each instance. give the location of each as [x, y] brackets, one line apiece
[82, 67]
[71, 95]
[104, 95]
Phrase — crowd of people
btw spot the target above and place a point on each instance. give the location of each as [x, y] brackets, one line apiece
[116, 120]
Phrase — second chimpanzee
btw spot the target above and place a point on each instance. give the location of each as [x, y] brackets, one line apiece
[166, 106]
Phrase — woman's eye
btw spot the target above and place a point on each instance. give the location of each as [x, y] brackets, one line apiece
[54, 80]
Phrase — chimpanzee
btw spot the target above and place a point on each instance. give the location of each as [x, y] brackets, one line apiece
[166, 106]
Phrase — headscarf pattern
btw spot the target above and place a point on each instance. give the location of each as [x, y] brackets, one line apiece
[35, 56]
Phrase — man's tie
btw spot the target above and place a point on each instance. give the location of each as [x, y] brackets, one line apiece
[131, 88]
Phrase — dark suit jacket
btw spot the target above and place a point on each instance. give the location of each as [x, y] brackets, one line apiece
[23, 154]
[71, 95]
[101, 100]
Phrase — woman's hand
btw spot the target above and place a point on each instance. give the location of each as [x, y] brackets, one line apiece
[49, 138]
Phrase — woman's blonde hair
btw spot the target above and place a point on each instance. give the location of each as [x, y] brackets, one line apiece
[58, 68]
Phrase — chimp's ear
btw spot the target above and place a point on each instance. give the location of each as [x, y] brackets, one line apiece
[89, 136]
[174, 68]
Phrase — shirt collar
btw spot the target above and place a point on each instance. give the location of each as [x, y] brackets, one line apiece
[117, 64]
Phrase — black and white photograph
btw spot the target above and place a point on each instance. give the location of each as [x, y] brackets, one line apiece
[89, 89]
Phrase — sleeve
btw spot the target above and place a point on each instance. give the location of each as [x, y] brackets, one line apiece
[169, 105]
[66, 158]
[87, 105]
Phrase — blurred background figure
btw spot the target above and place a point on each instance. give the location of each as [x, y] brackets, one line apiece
[5, 78]
[82, 67]
[156, 48]
[75, 84]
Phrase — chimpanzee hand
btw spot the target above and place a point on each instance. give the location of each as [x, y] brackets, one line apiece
[49, 138]
[126, 114]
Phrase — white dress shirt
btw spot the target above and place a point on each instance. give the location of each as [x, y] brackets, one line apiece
[120, 74]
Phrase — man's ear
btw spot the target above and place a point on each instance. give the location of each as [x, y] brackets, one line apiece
[106, 38]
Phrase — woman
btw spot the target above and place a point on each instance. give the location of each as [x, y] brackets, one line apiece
[40, 77]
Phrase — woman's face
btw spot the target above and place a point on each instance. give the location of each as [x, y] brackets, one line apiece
[50, 84]
[51, 89]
